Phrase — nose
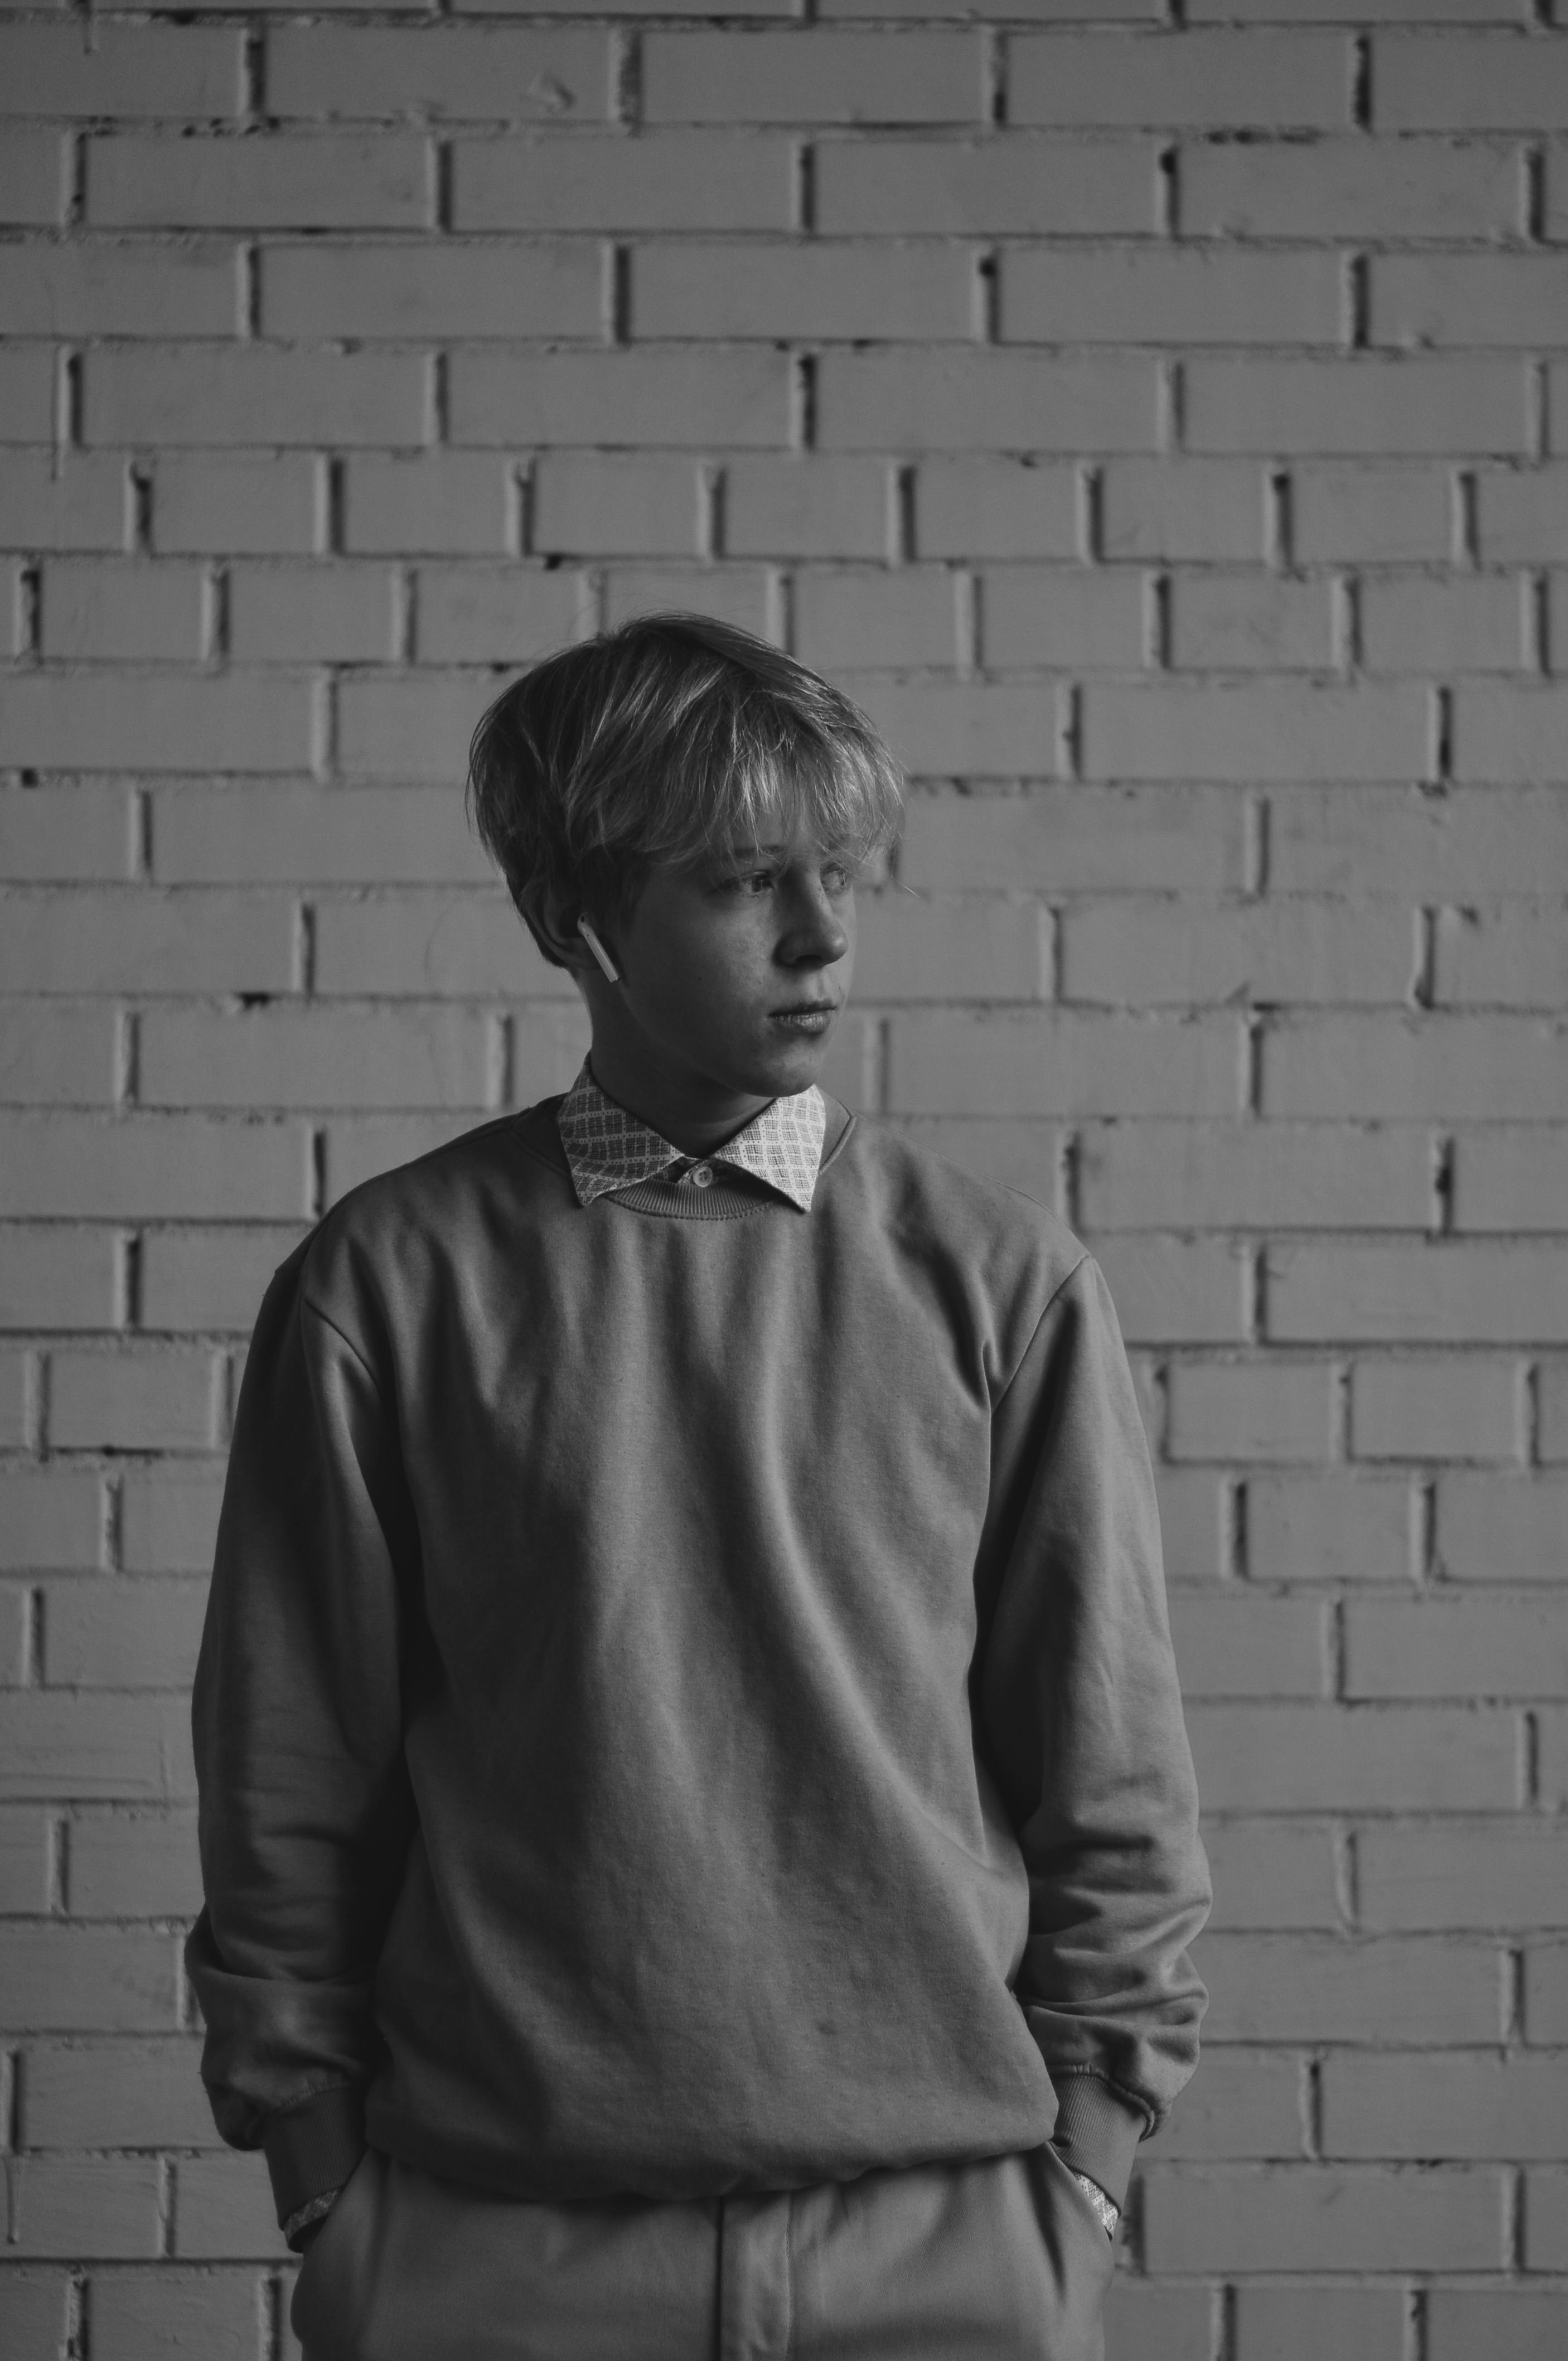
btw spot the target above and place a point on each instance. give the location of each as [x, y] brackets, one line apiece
[816, 934]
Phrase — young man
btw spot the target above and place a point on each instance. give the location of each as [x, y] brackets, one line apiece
[698, 1834]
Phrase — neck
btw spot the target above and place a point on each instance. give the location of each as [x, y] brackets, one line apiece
[691, 1112]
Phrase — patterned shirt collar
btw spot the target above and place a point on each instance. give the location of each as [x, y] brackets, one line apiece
[608, 1148]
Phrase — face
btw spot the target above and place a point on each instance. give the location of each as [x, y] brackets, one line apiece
[732, 978]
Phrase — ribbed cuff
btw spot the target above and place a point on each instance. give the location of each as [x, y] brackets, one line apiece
[313, 2148]
[1096, 2133]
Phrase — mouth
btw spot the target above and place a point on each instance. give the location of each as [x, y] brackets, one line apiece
[806, 1016]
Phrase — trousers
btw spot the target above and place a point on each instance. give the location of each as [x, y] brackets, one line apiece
[997, 2260]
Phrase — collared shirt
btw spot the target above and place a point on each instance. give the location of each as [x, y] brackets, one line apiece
[609, 1148]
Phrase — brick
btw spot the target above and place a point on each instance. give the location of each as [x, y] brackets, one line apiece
[736, 397]
[1463, 81]
[294, 614]
[1502, 1529]
[1243, 2105]
[119, 1634]
[27, 394]
[309, 835]
[1091, 617]
[24, 1845]
[1507, 955]
[1174, 1291]
[180, 721]
[1146, 2321]
[439, 287]
[868, 620]
[1509, 2324]
[1511, 1178]
[129, 70]
[1141, 954]
[138, 2313]
[1546, 1992]
[735, 594]
[33, 2313]
[225, 2209]
[357, 1148]
[1300, 2323]
[87, 2206]
[313, 1057]
[1550, 1780]
[805, 506]
[1310, 2217]
[168, 1519]
[1237, 623]
[1248, 1647]
[1455, 1648]
[995, 508]
[1450, 1066]
[1503, 1874]
[1433, 1409]
[57, 1279]
[1073, 840]
[120, 611]
[984, 399]
[1546, 2221]
[256, 394]
[431, 945]
[1522, 516]
[1349, 188]
[1207, 510]
[812, 76]
[1192, 1506]
[61, 1979]
[441, 501]
[114, 1749]
[131, 1167]
[116, 2094]
[1047, 1063]
[14, 1388]
[209, 1280]
[838, 291]
[48, 1519]
[1419, 1294]
[1272, 1873]
[949, 946]
[1462, 844]
[77, 503]
[1388, 515]
[271, 183]
[1278, 729]
[1268, 81]
[1325, 1989]
[1375, 404]
[1139, 296]
[1016, 1155]
[706, 180]
[1454, 2106]
[142, 1401]
[975, 730]
[234, 506]
[473, 614]
[1250, 1410]
[625, 507]
[52, 1053]
[1460, 625]
[133, 1865]
[1508, 733]
[413, 726]
[32, 179]
[454, 72]
[1457, 300]
[119, 291]
[1324, 1757]
[1054, 188]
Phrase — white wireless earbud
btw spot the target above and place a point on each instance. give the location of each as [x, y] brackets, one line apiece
[611, 972]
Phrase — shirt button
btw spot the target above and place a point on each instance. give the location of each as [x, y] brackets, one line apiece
[702, 1176]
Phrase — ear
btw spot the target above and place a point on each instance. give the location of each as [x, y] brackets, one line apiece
[561, 943]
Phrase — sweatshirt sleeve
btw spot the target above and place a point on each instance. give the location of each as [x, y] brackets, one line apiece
[1081, 1720]
[306, 1816]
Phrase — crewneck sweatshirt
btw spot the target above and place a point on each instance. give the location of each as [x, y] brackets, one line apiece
[686, 1703]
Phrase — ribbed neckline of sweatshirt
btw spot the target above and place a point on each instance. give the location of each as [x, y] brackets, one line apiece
[687, 1704]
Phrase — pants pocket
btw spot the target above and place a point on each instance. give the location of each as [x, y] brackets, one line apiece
[326, 2308]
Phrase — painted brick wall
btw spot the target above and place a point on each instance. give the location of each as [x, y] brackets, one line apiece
[1165, 433]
